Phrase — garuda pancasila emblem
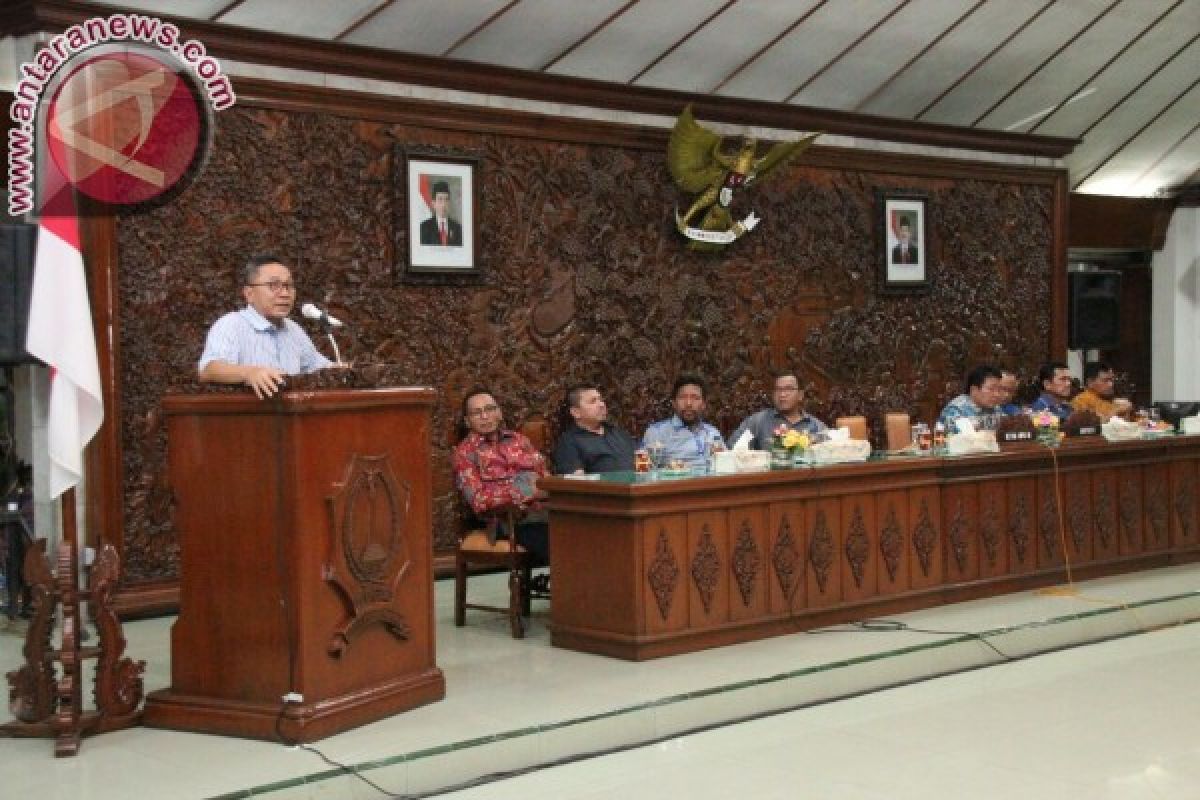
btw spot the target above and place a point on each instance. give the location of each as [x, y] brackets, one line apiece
[698, 164]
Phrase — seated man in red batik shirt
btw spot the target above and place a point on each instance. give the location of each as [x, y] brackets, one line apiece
[495, 468]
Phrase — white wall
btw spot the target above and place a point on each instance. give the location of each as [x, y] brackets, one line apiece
[1175, 307]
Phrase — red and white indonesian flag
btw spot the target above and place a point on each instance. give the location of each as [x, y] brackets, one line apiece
[60, 334]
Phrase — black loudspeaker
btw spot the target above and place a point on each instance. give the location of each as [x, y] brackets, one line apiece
[17, 245]
[1093, 318]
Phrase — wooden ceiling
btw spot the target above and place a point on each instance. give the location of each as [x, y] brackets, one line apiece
[1123, 76]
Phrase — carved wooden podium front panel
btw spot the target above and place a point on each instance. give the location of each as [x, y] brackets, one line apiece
[305, 529]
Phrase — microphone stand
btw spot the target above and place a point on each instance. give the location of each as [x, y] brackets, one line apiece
[328, 329]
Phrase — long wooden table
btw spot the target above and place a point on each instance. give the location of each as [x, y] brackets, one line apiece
[646, 568]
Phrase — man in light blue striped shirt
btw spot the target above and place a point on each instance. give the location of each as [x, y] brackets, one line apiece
[685, 437]
[258, 345]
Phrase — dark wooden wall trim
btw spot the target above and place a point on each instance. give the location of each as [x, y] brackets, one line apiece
[1058, 275]
[258, 93]
[1119, 223]
[224, 41]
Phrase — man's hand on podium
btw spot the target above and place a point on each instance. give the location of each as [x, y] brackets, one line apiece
[265, 381]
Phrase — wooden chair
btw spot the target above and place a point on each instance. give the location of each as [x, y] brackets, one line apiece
[899, 430]
[479, 549]
[857, 426]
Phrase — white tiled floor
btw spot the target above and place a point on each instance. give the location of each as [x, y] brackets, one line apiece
[1119, 719]
[541, 703]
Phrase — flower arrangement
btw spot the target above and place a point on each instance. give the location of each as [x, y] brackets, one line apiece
[1044, 419]
[790, 439]
[1046, 424]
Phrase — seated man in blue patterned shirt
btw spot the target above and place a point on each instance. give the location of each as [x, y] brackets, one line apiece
[685, 437]
[1055, 380]
[258, 345]
[978, 401]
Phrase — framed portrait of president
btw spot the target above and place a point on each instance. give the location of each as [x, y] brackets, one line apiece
[441, 208]
[903, 240]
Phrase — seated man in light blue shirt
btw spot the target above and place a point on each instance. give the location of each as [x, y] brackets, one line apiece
[977, 403]
[258, 345]
[685, 437]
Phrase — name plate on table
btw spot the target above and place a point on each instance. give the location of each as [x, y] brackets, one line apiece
[1082, 423]
[1008, 437]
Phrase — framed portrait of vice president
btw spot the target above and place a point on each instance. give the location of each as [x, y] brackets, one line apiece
[903, 238]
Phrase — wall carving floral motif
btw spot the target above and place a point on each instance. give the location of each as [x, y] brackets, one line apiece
[585, 278]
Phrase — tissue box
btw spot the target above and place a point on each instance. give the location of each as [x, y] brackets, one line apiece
[1189, 425]
[960, 444]
[1118, 430]
[839, 452]
[725, 463]
[751, 460]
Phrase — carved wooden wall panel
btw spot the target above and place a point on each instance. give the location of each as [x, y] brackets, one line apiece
[925, 550]
[824, 554]
[1106, 517]
[1077, 491]
[586, 279]
[895, 542]
[1157, 505]
[1022, 524]
[1049, 523]
[707, 569]
[860, 548]
[993, 530]
[1184, 505]
[788, 558]
[1129, 510]
[960, 526]
[664, 556]
[748, 569]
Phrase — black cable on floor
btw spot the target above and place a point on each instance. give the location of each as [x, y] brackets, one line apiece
[895, 626]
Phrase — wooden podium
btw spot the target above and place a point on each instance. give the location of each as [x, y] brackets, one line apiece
[306, 589]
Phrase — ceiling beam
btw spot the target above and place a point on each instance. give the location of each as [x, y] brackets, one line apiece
[1046, 61]
[1088, 81]
[774, 41]
[1113, 152]
[920, 54]
[474, 31]
[630, 4]
[339, 58]
[1140, 84]
[846, 50]
[990, 55]
[370, 15]
[679, 42]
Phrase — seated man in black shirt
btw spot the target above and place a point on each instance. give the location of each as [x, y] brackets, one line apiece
[591, 443]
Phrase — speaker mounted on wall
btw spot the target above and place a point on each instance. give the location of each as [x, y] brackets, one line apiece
[17, 244]
[1093, 312]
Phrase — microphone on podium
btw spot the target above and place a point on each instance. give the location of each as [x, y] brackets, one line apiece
[328, 323]
[310, 311]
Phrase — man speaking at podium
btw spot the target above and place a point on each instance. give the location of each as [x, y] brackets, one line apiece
[258, 345]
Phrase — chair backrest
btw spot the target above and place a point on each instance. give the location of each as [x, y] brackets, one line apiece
[899, 430]
[538, 431]
[857, 426]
